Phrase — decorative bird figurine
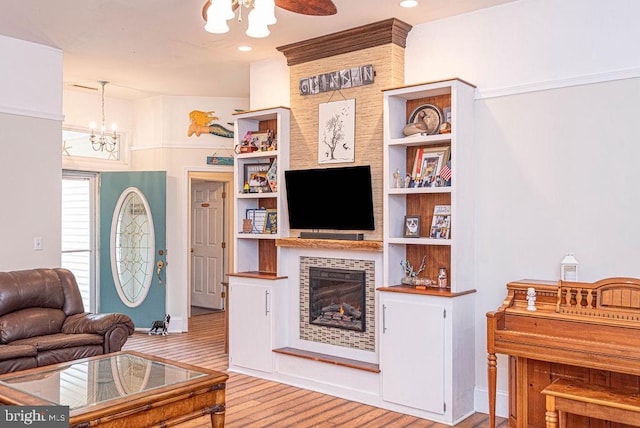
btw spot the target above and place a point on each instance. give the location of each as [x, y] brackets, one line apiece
[416, 127]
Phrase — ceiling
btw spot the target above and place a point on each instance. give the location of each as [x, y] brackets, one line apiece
[159, 47]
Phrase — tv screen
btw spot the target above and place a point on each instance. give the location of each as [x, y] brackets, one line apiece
[330, 198]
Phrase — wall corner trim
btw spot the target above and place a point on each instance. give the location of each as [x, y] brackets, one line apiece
[588, 79]
[367, 36]
[31, 113]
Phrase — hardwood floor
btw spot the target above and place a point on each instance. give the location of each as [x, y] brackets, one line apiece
[253, 402]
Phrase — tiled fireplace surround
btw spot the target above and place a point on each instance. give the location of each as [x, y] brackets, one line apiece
[335, 336]
[336, 342]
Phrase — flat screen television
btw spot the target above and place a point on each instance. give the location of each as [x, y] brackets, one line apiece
[330, 198]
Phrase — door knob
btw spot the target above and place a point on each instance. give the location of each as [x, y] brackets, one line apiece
[160, 265]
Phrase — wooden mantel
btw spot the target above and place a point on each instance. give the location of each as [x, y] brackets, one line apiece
[332, 244]
[388, 31]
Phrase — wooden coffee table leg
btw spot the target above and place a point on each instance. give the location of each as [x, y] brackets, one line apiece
[217, 413]
[217, 419]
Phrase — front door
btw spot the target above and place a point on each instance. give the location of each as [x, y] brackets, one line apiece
[207, 244]
[133, 245]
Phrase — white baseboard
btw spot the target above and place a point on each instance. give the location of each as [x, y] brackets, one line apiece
[481, 397]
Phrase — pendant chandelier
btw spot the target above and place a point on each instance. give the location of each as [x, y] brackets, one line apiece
[104, 142]
[261, 13]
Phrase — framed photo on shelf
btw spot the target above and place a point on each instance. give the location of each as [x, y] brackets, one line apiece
[258, 217]
[441, 222]
[261, 140]
[271, 222]
[272, 176]
[411, 226]
[427, 165]
[255, 175]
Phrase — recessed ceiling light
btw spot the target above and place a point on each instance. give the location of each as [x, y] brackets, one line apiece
[244, 48]
[409, 3]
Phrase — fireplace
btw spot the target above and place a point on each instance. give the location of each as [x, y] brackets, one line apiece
[365, 339]
[337, 298]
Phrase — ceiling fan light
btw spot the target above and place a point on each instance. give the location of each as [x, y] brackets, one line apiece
[217, 26]
[257, 27]
[216, 23]
[223, 8]
[267, 9]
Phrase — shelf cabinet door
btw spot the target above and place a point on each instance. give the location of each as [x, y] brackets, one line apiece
[413, 354]
[250, 341]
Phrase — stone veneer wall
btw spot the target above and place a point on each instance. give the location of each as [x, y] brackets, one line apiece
[365, 340]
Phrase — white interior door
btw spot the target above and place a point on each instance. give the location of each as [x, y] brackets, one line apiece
[207, 244]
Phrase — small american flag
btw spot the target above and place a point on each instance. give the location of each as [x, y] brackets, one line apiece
[445, 172]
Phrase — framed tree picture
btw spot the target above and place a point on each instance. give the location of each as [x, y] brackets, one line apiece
[336, 133]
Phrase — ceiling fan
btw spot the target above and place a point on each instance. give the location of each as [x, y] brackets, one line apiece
[304, 7]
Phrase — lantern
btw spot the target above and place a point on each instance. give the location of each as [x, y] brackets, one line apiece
[569, 268]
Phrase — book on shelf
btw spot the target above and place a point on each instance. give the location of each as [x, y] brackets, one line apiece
[441, 223]
[417, 165]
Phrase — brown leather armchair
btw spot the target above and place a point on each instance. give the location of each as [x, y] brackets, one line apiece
[42, 321]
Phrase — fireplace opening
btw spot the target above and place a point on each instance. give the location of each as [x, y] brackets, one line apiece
[337, 298]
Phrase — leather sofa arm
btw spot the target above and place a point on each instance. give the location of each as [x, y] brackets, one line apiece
[96, 323]
[116, 328]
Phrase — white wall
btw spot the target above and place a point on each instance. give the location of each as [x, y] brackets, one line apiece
[30, 79]
[81, 108]
[164, 145]
[30, 143]
[269, 84]
[174, 121]
[526, 42]
[556, 141]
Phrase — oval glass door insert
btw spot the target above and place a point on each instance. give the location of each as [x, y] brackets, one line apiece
[132, 247]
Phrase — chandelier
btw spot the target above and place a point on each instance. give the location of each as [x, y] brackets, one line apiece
[104, 142]
[261, 13]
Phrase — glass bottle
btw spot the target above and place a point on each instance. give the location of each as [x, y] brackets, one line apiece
[442, 278]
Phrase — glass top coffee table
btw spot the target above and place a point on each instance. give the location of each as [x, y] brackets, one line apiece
[143, 390]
